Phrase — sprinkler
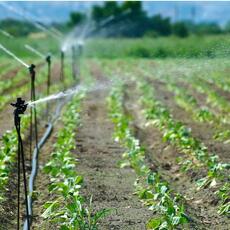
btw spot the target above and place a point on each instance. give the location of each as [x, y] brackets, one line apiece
[62, 66]
[48, 60]
[33, 113]
[20, 108]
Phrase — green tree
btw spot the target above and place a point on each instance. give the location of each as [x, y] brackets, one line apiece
[161, 26]
[18, 28]
[180, 30]
[100, 13]
[76, 18]
[134, 7]
[208, 28]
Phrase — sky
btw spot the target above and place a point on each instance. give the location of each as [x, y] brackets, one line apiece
[59, 11]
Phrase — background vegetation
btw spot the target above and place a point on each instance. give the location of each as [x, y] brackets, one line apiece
[129, 32]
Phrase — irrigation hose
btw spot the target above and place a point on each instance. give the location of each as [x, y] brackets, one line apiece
[35, 160]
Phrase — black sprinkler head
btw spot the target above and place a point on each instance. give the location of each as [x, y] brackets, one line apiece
[20, 106]
[31, 69]
[48, 58]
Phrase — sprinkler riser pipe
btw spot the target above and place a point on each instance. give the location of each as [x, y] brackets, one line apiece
[74, 72]
[62, 66]
[20, 108]
[48, 60]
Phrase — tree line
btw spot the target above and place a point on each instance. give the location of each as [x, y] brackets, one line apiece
[127, 19]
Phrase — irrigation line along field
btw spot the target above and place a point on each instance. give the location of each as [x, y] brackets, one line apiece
[33, 98]
[35, 157]
[34, 162]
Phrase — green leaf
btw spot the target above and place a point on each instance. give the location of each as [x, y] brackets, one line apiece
[50, 207]
[64, 227]
[154, 223]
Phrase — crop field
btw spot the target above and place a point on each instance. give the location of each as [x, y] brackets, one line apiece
[115, 133]
[151, 139]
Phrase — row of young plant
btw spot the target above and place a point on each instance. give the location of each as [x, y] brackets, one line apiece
[213, 98]
[217, 102]
[150, 187]
[216, 111]
[221, 80]
[67, 208]
[200, 113]
[179, 135]
[8, 143]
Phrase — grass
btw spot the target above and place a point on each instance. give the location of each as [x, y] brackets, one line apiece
[17, 46]
[161, 47]
[173, 47]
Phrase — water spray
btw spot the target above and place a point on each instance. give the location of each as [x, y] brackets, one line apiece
[72, 91]
[80, 46]
[13, 56]
[38, 53]
[31, 20]
[58, 32]
[6, 33]
[20, 108]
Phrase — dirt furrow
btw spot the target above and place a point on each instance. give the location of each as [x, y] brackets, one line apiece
[110, 186]
[201, 131]
[201, 205]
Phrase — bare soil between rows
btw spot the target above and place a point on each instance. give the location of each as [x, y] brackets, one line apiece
[110, 186]
[201, 205]
[202, 131]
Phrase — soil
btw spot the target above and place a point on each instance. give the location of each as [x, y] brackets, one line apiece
[42, 182]
[110, 186]
[201, 205]
[8, 211]
[7, 111]
[201, 131]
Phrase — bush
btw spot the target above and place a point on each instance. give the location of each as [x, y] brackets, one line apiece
[180, 30]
